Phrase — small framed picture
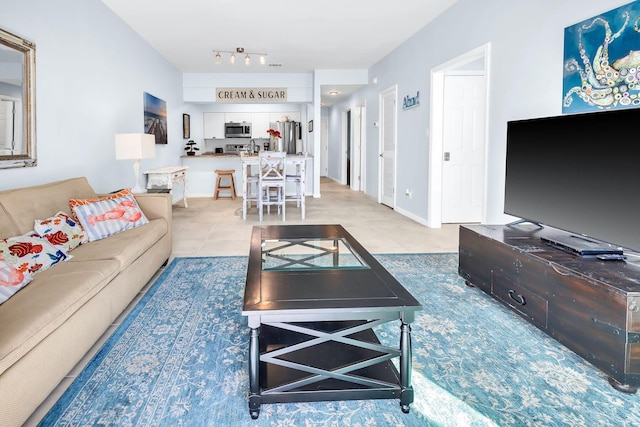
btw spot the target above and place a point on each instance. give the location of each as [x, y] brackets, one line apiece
[186, 126]
[310, 126]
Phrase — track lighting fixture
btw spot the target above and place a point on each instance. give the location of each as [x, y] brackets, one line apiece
[239, 50]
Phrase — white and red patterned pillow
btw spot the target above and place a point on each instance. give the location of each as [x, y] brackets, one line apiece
[61, 231]
[109, 216]
[31, 253]
[11, 280]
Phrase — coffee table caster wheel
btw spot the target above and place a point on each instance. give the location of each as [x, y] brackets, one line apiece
[405, 408]
[254, 414]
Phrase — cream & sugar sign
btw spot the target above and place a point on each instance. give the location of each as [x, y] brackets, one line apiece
[250, 95]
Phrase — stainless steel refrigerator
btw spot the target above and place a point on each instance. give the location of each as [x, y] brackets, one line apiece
[291, 132]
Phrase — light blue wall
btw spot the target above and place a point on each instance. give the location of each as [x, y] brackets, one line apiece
[91, 73]
[525, 81]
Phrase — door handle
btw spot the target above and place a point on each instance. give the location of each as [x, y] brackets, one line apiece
[381, 155]
[447, 156]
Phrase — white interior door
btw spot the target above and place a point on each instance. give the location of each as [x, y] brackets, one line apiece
[324, 146]
[388, 147]
[356, 149]
[463, 146]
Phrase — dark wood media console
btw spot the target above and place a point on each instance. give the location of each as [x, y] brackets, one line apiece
[589, 305]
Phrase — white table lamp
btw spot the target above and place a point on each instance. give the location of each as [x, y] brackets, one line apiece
[135, 146]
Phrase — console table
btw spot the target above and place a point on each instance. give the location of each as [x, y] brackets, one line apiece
[589, 305]
[164, 178]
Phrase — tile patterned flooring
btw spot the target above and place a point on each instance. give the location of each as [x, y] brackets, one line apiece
[215, 228]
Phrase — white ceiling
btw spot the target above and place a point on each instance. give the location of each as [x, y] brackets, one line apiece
[298, 36]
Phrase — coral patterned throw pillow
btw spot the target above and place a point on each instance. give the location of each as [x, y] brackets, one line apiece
[31, 253]
[61, 231]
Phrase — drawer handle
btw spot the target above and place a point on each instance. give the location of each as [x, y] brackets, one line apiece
[519, 299]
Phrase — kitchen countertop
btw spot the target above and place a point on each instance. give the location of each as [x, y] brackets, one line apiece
[211, 154]
[231, 155]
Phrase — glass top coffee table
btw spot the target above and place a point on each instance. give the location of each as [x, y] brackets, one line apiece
[312, 298]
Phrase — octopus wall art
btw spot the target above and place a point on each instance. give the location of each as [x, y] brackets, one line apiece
[602, 61]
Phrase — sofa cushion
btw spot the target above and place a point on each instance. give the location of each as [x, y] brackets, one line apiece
[11, 280]
[47, 302]
[108, 217]
[24, 205]
[61, 231]
[30, 253]
[124, 247]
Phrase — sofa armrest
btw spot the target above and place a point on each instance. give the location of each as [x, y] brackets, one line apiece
[156, 205]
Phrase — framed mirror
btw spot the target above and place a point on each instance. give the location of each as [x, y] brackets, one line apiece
[17, 101]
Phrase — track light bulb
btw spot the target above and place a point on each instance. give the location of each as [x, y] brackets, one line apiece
[239, 51]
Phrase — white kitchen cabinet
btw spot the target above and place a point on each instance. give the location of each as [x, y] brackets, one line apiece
[214, 125]
[294, 116]
[237, 117]
[259, 125]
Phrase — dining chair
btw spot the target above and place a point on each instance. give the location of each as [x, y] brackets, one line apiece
[272, 181]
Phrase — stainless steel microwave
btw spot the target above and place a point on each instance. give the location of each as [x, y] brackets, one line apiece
[237, 130]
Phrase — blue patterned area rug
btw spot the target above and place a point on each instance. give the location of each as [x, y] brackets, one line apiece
[180, 359]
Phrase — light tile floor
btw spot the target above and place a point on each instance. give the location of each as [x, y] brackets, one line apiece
[215, 228]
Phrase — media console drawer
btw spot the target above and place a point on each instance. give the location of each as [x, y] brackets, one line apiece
[589, 305]
[533, 307]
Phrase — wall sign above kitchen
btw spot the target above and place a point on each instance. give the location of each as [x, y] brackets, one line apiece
[251, 95]
[411, 101]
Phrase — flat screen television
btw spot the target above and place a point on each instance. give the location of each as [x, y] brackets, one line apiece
[578, 173]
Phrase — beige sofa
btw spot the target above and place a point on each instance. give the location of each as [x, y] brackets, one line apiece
[49, 325]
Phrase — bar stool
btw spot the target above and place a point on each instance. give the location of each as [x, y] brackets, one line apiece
[298, 178]
[225, 174]
[249, 189]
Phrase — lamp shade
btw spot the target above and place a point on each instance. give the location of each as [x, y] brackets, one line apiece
[135, 146]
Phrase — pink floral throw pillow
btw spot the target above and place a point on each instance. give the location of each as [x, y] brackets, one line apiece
[61, 231]
[11, 280]
[107, 217]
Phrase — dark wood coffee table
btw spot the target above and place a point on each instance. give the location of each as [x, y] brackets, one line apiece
[312, 298]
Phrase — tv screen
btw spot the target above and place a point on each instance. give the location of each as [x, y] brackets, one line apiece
[579, 173]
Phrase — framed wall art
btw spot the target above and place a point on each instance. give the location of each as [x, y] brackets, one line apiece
[155, 118]
[602, 62]
[186, 126]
